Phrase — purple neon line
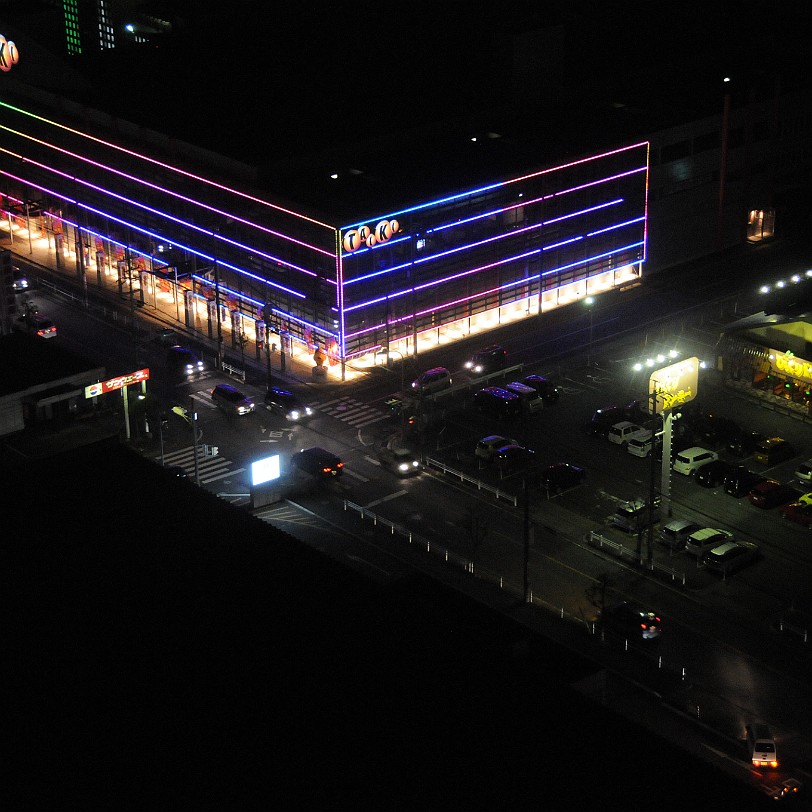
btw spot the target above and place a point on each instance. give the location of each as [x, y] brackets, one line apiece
[167, 166]
[589, 259]
[318, 327]
[589, 210]
[158, 188]
[342, 341]
[513, 283]
[487, 188]
[149, 233]
[227, 290]
[377, 273]
[563, 242]
[164, 214]
[445, 279]
[616, 226]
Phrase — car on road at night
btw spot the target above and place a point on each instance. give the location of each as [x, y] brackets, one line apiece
[39, 325]
[730, 557]
[182, 362]
[231, 400]
[772, 493]
[318, 462]
[798, 512]
[631, 620]
[561, 475]
[400, 461]
[700, 541]
[487, 360]
[432, 380]
[286, 403]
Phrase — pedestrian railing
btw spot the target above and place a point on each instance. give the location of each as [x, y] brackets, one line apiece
[478, 483]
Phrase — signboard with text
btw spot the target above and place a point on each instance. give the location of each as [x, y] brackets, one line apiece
[673, 385]
[103, 387]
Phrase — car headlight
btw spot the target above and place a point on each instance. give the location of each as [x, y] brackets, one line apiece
[293, 414]
[308, 411]
[403, 466]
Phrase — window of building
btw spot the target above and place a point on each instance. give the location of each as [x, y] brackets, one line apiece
[760, 225]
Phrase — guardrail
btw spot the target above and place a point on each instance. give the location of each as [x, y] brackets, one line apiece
[480, 485]
[239, 374]
[620, 550]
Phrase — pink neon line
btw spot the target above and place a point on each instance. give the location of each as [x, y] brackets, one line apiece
[168, 166]
[161, 189]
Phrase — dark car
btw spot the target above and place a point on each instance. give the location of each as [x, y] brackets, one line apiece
[603, 420]
[744, 443]
[714, 431]
[497, 402]
[731, 556]
[513, 457]
[772, 493]
[798, 512]
[20, 280]
[231, 400]
[182, 362]
[773, 450]
[487, 360]
[714, 473]
[286, 403]
[318, 462]
[545, 388]
[39, 325]
[741, 481]
[632, 621]
[560, 476]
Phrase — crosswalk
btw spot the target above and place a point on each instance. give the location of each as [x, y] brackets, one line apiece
[347, 409]
[352, 411]
[211, 469]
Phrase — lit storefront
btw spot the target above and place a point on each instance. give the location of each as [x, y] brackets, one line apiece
[398, 281]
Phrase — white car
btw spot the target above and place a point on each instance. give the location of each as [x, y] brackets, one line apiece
[624, 431]
[642, 446]
[687, 462]
[704, 540]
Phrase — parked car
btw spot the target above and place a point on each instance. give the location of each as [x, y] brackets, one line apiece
[231, 400]
[700, 541]
[514, 457]
[731, 556]
[674, 534]
[318, 462]
[643, 446]
[400, 461]
[603, 419]
[744, 443]
[286, 403]
[634, 515]
[773, 450]
[741, 481]
[497, 402]
[487, 360]
[487, 447]
[715, 431]
[771, 493]
[561, 475]
[689, 461]
[622, 432]
[545, 388]
[804, 471]
[182, 362]
[432, 380]
[529, 399]
[714, 473]
[632, 620]
[798, 512]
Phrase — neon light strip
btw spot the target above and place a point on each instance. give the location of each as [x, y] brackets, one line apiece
[491, 186]
[319, 328]
[165, 215]
[496, 237]
[597, 256]
[514, 283]
[169, 167]
[563, 242]
[157, 188]
[159, 237]
[614, 227]
[445, 279]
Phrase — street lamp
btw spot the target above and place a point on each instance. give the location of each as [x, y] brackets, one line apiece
[589, 301]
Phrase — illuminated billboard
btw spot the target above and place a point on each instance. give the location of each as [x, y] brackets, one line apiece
[674, 385]
[265, 470]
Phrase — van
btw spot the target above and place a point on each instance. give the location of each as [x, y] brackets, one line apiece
[530, 399]
[688, 461]
[547, 391]
[432, 380]
[634, 515]
[622, 432]
[761, 746]
[497, 402]
[487, 360]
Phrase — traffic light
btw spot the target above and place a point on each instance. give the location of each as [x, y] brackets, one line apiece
[8, 304]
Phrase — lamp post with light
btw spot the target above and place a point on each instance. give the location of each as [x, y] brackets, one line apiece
[589, 303]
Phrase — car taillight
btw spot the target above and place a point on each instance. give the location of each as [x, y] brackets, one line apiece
[340, 465]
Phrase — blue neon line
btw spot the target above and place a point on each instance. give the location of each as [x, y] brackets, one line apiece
[563, 242]
[491, 186]
[597, 256]
[616, 226]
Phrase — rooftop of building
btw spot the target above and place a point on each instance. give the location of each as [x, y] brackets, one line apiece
[410, 104]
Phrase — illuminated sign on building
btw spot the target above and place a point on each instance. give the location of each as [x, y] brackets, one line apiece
[9, 54]
[790, 364]
[364, 235]
[113, 384]
[674, 385]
